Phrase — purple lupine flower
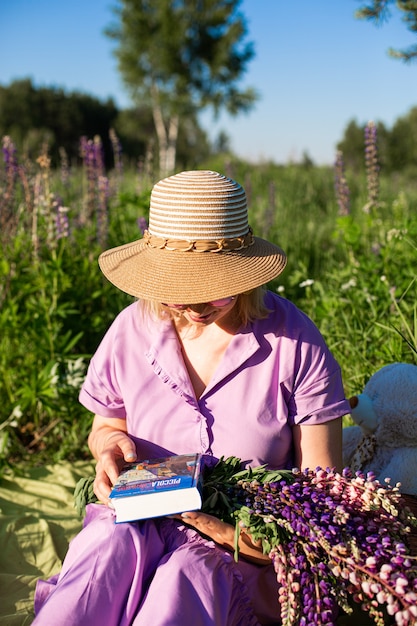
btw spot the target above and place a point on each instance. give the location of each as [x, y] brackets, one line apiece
[102, 210]
[83, 146]
[332, 537]
[7, 217]
[117, 152]
[88, 154]
[61, 221]
[98, 157]
[371, 164]
[340, 184]
[142, 224]
[321, 549]
[10, 156]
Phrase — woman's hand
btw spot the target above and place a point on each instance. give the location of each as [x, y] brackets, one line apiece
[112, 447]
[224, 535]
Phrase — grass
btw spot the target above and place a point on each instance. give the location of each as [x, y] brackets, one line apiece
[351, 269]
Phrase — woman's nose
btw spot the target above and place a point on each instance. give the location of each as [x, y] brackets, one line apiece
[198, 308]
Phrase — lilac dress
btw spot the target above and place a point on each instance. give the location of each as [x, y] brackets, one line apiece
[276, 372]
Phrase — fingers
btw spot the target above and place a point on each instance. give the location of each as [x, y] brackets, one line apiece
[102, 484]
[208, 525]
[119, 444]
[119, 448]
[127, 448]
[224, 535]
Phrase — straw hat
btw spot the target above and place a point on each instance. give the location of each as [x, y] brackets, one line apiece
[199, 246]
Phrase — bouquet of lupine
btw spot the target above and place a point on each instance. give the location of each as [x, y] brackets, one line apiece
[333, 538]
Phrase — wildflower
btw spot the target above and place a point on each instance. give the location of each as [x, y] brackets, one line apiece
[330, 536]
[117, 152]
[340, 184]
[371, 164]
[102, 210]
[9, 156]
[7, 195]
[15, 416]
[396, 233]
[350, 283]
[62, 224]
[307, 283]
[75, 372]
[98, 156]
[88, 154]
[142, 224]
[96, 201]
[44, 161]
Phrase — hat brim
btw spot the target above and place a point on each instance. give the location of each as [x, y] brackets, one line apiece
[190, 277]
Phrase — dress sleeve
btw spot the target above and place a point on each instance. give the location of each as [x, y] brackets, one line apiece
[317, 394]
[321, 401]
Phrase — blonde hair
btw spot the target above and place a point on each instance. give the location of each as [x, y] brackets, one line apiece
[249, 306]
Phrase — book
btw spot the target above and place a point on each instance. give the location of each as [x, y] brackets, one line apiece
[157, 487]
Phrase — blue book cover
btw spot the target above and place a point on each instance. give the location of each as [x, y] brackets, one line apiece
[155, 487]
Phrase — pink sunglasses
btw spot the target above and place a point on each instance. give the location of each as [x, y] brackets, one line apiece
[218, 304]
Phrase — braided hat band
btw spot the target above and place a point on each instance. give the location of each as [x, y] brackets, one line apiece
[236, 243]
[199, 245]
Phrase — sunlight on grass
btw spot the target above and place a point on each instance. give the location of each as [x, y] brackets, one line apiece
[351, 248]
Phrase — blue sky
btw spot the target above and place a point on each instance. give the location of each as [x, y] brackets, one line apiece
[316, 68]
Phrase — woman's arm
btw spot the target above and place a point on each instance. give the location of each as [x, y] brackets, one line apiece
[318, 445]
[110, 445]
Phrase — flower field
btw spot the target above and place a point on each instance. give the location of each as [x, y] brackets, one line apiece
[351, 240]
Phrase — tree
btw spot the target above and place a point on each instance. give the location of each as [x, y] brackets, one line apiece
[33, 116]
[403, 142]
[352, 145]
[180, 56]
[378, 11]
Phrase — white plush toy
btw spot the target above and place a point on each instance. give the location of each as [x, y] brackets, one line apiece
[385, 438]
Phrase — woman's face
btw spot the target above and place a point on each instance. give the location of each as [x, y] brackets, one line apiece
[206, 313]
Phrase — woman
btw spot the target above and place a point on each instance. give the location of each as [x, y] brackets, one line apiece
[205, 361]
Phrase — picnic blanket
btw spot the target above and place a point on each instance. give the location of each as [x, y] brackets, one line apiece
[37, 521]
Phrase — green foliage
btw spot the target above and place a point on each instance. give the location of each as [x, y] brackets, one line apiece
[378, 11]
[193, 52]
[352, 273]
[397, 151]
[179, 57]
[54, 308]
[33, 116]
[39, 116]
